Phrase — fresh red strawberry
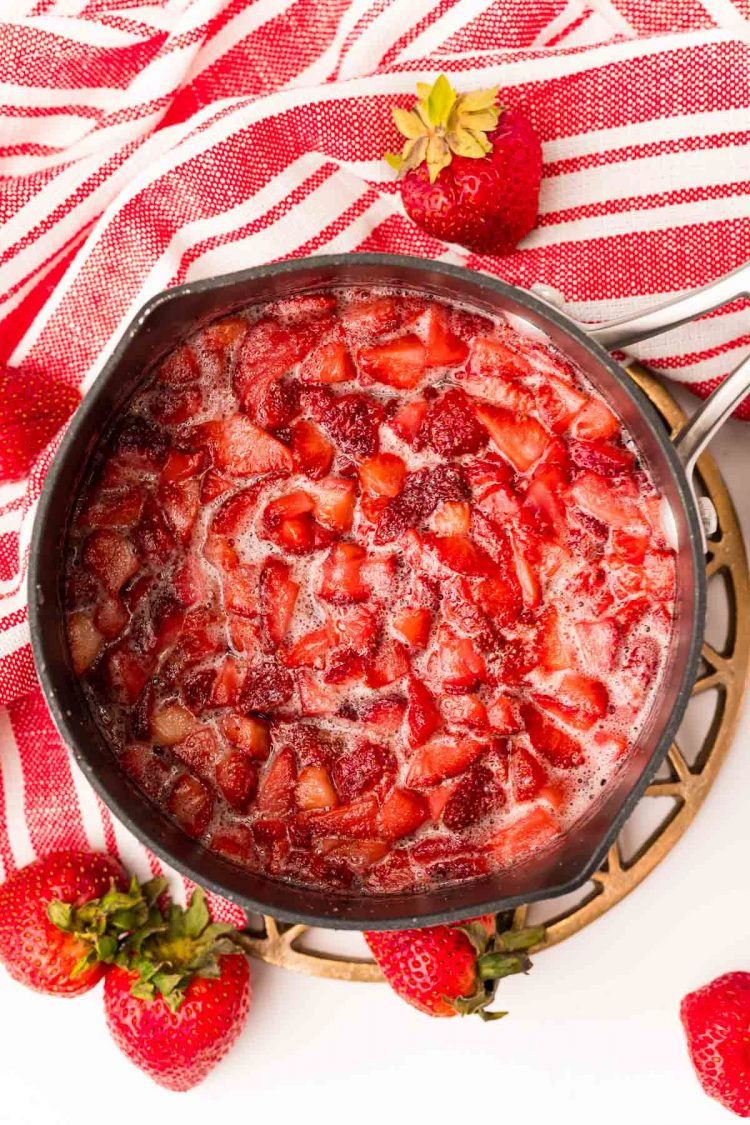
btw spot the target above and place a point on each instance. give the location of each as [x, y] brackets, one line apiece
[451, 426]
[313, 453]
[442, 758]
[556, 747]
[278, 597]
[519, 437]
[401, 813]
[476, 795]
[35, 405]
[422, 714]
[49, 912]
[715, 1019]
[479, 183]
[452, 970]
[399, 363]
[242, 448]
[178, 1022]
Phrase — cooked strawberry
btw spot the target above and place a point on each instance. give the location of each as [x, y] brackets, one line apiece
[499, 598]
[371, 317]
[315, 789]
[460, 554]
[451, 425]
[181, 465]
[171, 406]
[452, 518]
[110, 558]
[191, 804]
[351, 421]
[464, 711]
[241, 591]
[642, 661]
[268, 352]
[629, 547]
[499, 503]
[556, 747]
[558, 402]
[180, 503]
[237, 779]
[490, 356]
[596, 495]
[277, 786]
[422, 714]
[333, 503]
[461, 612]
[459, 665]
[528, 775]
[179, 368]
[191, 583]
[312, 452]
[557, 650]
[444, 347]
[220, 339]
[599, 642]
[398, 363]
[358, 820]
[278, 597]
[442, 758]
[309, 651]
[408, 421]
[476, 795]
[388, 664]
[543, 507]
[267, 685]
[152, 538]
[251, 735]
[236, 843]
[602, 457]
[529, 833]
[420, 495]
[386, 715]
[595, 422]
[138, 445]
[382, 475]
[528, 581]
[413, 626]
[214, 485]
[501, 715]
[127, 673]
[288, 522]
[577, 699]
[113, 509]
[360, 769]
[519, 437]
[226, 686]
[84, 639]
[316, 698]
[358, 855]
[341, 579]
[329, 362]
[242, 448]
[401, 813]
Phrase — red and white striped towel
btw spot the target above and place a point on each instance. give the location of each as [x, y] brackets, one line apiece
[149, 142]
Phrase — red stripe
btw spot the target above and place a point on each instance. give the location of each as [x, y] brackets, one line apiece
[643, 203]
[25, 60]
[675, 362]
[638, 152]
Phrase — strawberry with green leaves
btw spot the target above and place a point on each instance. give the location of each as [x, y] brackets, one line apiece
[469, 170]
[453, 970]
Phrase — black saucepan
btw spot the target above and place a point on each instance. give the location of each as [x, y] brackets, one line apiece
[170, 317]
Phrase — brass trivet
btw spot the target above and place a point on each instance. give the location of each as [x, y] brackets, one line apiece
[684, 780]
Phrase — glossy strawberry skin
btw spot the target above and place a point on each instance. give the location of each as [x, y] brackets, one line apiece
[487, 204]
[34, 951]
[716, 1020]
[178, 1049]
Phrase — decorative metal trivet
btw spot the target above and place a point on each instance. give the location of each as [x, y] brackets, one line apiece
[670, 803]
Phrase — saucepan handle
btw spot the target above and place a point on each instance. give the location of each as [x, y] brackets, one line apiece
[708, 419]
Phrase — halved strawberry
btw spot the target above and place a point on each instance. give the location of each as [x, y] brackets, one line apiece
[341, 580]
[111, 558]
[444, 347]
[595, 422]
[579, 700]
[501, 715]
[451, 426]
[559, 402]
[555, 746]
[460, 554]
[329, 362]
[388, 663]
[278, 597]
[180, 501]
[312, 452]
[442, 758]
[356, 625]
[525, 835]
[277, 786]
[333, 502]
[382, 475]
[240, 447]
[519, 437]
[408, 421]
[528, 775]
[602, 457]
[422, 714]
[597, 495]
[84, 639]
[401, 813]
[464, 711]
[249, 734]
[413, 626]
[599, 642]
[309, 651]
[398, 363]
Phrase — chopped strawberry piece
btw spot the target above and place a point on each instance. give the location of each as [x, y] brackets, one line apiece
[544, 509]
[489, 356]
[341, 580]
[602, 457]
[531, 591]
[599, 642]
[559, 402]
[438, 798]
[221, 338]
[557, 651]
[451, 426]
[197, 685]
[528, 775]
[170, 724]
[401, 813]
[490, 470]
[237, 779]
[386, 715]
[461, 611]
[309, 651]
[452, 518]
[191, 804]
[277, 786]
[241, 590]
[314, 697]
[179, 368]
[422, 715]
[226, 686]
[500, 504]
[127, 673]
[421, 494]
[146, 768]
[152, 538]
[312, 452]
[267, 685]
[528, 834]
[500, 598]
[268, 352]
[351, 421]
[113, 509]
[388, 664]
[333, 503]
[357, 626]
[444, 347]
[464, 711]
[361, 769]
[289, 523]
[556, 747]
[382, 475]
[441, 759]
[476, 795]
[84, 639]
[214, 485]
[330, 362]
[251, 735]
[578, 700]
[597, 496]
[110, 618]
[315, 789]
[398, 363]
[242, 448]
[460, 554]
[642, 661]
[501, 715]
[595, 422]
[171, 406]
[191, 583]
[358, 820]
[220, 553]
[278, 597]
[181, 503]
[457, 663]
[304, 307]
[519, 437]
[359, 855]
[413, 626]
[629, 547]
[235, 842]
[180, 466]
[110, 558]
[408, 421]
[138, 445]
[371, 317]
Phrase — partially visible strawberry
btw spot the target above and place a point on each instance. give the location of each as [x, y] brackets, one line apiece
[716, 1018]
[398, 363]
[452, 970]
[469, 170]
[50, 915]
[34, 407]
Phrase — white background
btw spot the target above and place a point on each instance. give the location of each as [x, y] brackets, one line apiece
[593, 1034]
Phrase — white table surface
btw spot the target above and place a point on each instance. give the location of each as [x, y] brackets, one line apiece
[593, 1035]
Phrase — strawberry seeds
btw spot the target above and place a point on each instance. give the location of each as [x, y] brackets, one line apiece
[368, 591]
